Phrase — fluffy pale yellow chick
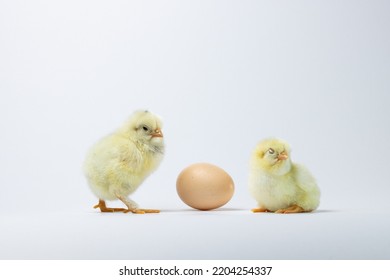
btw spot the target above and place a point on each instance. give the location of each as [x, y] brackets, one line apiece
[117, 165]
[279, 185]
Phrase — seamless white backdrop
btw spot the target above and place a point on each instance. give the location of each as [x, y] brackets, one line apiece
[222, 74]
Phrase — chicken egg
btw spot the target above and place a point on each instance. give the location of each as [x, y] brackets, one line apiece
[204, 186]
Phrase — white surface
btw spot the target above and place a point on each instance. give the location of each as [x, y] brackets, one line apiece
[223, 75]
[185, 234]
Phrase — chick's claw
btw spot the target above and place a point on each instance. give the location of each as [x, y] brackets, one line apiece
[260, 210]
[103, 208]
[290, 210]
[142, 211]
[150, 211]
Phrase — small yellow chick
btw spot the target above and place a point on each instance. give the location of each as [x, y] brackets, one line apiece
[117, 165]
[279, 185]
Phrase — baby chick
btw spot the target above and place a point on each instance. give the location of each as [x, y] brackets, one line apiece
[117, 165]
[279, 185]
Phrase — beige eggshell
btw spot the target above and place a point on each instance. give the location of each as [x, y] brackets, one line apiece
[204, 186]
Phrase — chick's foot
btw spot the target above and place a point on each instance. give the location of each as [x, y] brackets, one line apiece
[141, 211]
[290, 210]
[104, 208]
[260, 210]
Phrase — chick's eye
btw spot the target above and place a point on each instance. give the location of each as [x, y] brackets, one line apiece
[271, 151]
[145, 128]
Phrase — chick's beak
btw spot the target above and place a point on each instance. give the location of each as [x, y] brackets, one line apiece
[282, 156]
[157, 133]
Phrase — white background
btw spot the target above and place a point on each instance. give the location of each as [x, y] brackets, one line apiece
[223, 75]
